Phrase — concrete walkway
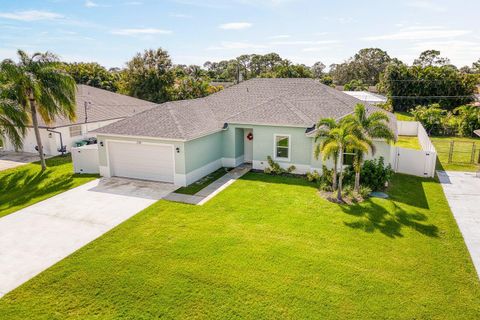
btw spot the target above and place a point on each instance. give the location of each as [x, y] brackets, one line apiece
[462, 190]
[210, 191]
[35, 238]
[10, 159]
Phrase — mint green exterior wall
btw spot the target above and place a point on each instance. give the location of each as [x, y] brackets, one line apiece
[301, 146]
[207, 152]
[202, 151]
[179, 157]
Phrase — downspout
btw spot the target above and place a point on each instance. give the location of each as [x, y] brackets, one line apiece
[62, 149]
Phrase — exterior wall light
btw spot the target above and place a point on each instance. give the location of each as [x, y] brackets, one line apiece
[101, 143]
[178, 149]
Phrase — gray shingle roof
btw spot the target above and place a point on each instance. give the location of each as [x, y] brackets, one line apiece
[102, 105]
[289, 102]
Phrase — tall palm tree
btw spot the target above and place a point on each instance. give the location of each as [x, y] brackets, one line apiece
[324, 126]
[367, 127]
[13, 121]
[341, 138]
[41, 87]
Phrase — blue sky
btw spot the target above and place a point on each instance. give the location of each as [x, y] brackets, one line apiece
[112, 31]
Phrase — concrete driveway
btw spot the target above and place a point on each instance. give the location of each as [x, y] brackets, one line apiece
[14, 159]
[462, 190]
[35, 238]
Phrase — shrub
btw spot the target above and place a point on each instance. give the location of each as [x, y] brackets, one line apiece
[313, 176]
[462, 122]
[274, 167]
[431, 117]
[355, 85]
[375, 175]
[385, 106]
[324, 180]
[468, 120]
[365, 191]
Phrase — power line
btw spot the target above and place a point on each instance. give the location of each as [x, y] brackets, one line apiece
[432, 97]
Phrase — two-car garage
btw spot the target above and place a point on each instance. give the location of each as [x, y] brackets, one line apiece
[141, 160]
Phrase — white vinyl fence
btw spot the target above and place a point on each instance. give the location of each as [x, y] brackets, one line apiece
[415, 162]
[85, 159]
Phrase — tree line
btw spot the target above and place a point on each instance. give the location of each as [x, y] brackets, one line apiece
[152, 76]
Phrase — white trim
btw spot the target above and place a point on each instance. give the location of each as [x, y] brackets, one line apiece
[109, 167]
[299, 168]
[239, 160]
[228, 162]
[270, 125]
[275, 135]
[180, 179]
[132, 137]
[155, 138]
[104, 171]
[201, 172]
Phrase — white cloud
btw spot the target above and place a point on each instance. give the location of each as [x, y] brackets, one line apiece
[228, 45]
[427, 5]
[30, 15]
[90, 4]
[235, 25]
[314, 49]
[280, 36]
[419, 33]
[459, 51]
[304, 42]
[140, 31]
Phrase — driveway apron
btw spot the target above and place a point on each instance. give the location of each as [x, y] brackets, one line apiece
[36, 237]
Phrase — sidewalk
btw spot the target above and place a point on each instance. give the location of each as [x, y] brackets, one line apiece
[462, 190]
[210, 191]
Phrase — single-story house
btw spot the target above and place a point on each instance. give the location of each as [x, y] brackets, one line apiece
[367, 97]
[182, 141]
[95, 108]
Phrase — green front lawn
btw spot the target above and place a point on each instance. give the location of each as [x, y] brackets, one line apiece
[23, 186]
[268, 247]
[461, 156]
[408, 142]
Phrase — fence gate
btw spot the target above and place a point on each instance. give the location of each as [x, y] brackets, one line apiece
[415, 162]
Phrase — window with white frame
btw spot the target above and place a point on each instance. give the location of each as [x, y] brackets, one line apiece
[282, 147]
[348, 157]
[75, 131]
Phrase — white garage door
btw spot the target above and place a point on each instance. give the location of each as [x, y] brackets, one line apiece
[141, 161]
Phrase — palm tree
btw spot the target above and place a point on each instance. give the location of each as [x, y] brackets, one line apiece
[13, 120]
[40, 86]
[343, 138]
[367, 127]
[338, 139]
[324, 127]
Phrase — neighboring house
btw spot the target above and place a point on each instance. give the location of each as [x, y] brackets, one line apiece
[367, 97]
[95, 108]
[182, 141]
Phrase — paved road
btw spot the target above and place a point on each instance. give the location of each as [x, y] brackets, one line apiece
[35, 238]
[462, 190]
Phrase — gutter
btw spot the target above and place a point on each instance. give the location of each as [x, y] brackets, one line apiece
[62, 148]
